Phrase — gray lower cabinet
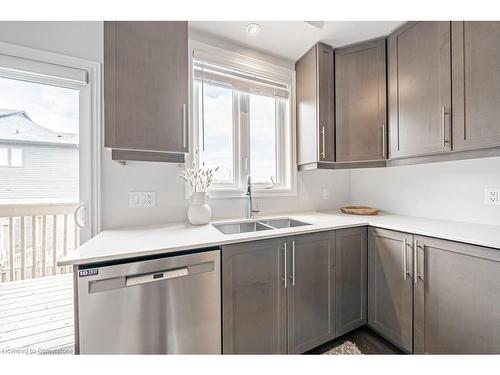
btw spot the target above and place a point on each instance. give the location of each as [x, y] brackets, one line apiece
[284, 295]
[419, 89]
[427, 295]
[146, 89]
[476, 79]
[254, 298]
[311, 291]
[390, 286]
[350, 279]
[360, 102]
[457, 298]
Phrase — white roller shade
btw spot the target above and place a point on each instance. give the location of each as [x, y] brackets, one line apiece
[240, 76]
[24, 68]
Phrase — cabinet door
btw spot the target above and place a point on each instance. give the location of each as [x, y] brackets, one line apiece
[457, 298]
[350, 279]
[390, 286]
[326, 122]
[476, 82]
[315, 106]
[146, 86]
[254, 298]
[311, 292]
[419, 75]
[360, 102]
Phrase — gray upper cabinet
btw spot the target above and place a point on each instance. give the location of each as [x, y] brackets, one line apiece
[476, 83]
[350, 279]
[390, 286]
[146, 87]
[315, 106]
[311, 291]
[360, 102]
[419, 89]
[457, 298]
[254, 298]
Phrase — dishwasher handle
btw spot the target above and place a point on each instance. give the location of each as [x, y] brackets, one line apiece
[156, 276]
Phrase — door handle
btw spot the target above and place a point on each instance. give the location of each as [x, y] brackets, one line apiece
[285, 267]
[443, 124]
[405, 269]
[323, 153]
[384, 152]
[415, 261]
[293, 263]
[184, 126]
[76, 215]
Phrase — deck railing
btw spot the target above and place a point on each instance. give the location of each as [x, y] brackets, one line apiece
[33, 237]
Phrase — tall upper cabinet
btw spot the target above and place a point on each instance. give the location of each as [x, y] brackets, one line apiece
[315, 107]
[360, 102]
[419, 89]
[476, 84]
[146, 90]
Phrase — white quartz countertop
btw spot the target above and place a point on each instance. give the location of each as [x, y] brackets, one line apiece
[130, 242]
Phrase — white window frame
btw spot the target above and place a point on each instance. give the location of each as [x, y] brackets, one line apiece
[287, 168]
[23, 63]
[9, 157]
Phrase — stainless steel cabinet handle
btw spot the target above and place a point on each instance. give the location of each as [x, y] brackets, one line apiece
[415, 261]
[293, 263]
[405, 270]
[443, 124]
[384, 152]
[285, 266]
[323, 153]
[184, 126]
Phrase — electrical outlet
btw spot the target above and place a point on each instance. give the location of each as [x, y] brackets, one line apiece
[326, 194]
[142, 199]
[492, 196]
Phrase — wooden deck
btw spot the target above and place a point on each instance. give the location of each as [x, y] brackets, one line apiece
[36, 316]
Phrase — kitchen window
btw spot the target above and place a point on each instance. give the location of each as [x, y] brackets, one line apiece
[242, 123]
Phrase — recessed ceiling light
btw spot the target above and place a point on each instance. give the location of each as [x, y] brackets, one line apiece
[253, 29]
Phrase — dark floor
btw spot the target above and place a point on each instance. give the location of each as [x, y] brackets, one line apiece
[367, 341]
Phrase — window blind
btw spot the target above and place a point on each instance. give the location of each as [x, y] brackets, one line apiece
[16, 66]
[240, 80]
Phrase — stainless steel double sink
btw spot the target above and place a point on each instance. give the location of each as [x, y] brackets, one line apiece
[258, 225]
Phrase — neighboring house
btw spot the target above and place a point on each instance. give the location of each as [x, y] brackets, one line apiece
[36, 163]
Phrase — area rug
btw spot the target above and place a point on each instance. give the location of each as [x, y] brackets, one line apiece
[347, 347]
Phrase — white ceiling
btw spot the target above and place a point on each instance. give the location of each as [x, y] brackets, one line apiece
[289, 40]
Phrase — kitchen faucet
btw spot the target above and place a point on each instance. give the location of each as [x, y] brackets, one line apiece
[251, 212]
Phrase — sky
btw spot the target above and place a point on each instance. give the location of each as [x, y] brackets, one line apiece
[52, 107]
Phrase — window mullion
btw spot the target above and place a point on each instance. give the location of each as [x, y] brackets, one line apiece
[245, 136]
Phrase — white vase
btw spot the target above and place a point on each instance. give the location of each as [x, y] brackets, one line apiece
[199, 211]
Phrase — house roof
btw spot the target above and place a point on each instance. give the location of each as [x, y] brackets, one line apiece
[17, 126]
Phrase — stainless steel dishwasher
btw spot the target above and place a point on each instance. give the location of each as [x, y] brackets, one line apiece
[166, 305]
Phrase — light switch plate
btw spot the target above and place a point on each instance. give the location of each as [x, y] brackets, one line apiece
[142, 199]
[492, 196]
[326, 194]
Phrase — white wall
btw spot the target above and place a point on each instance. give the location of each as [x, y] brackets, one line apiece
[85, 40]
[450, 190]
[73, 38]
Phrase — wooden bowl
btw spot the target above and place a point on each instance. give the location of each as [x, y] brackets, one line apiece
[360, 210]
